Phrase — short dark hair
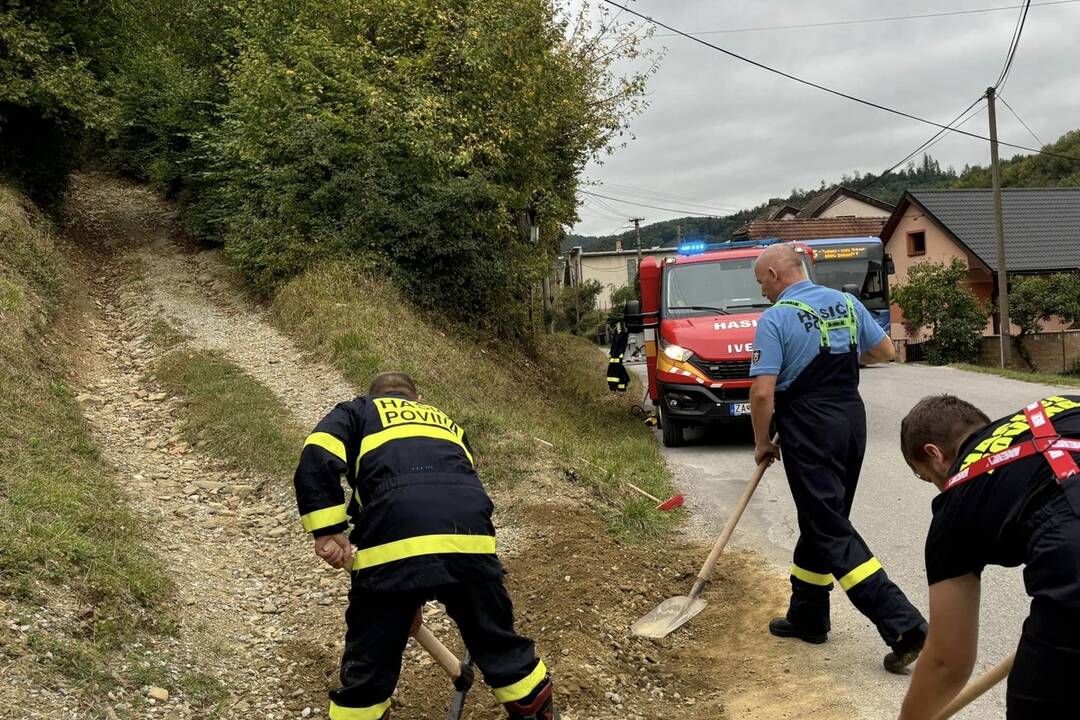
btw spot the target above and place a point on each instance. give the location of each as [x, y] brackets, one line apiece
[394, 381]
[942, 420]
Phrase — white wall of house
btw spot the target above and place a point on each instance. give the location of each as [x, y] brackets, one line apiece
[852, 207]
[614, 270]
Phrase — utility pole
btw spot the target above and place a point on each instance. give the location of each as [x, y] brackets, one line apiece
[637, 232]
[999, 223]
[678, 234]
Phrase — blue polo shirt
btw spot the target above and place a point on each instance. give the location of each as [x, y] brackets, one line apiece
[787, 340]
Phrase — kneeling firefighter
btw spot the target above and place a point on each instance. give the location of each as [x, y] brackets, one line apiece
[421, 530]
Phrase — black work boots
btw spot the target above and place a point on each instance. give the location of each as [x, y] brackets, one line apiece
[906, 649]
[539, 706]
[782, 627]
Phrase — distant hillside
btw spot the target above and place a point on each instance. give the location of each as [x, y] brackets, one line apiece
[1020, 170]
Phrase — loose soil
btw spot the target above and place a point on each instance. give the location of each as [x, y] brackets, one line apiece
[259, 613]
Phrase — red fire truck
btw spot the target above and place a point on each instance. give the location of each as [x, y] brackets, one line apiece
[699, 310]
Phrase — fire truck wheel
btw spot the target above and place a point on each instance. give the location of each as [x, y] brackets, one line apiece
[672, 430]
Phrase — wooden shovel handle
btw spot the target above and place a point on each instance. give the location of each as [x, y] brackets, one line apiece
[447, 660]
[977, 687]
[729, 528]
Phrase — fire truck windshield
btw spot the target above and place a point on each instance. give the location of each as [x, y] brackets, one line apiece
[711, 288]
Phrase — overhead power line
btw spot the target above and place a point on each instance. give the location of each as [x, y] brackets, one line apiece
[685, 199]
[1021, 121]
[823, 88]
[863, 21]
[924, 146]
[653, 207]
[1011, 55]
[650, 195]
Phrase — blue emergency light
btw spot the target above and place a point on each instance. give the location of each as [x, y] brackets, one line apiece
[697, 247]
[693, 247]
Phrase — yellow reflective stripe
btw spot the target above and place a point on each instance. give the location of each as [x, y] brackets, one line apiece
[372, 712]
[522, 688]
[614, 360]
[319, 519]
[423, 545]
[811, 577]
[860, 573]
[400, 432]
[327, 442]
[614, 380]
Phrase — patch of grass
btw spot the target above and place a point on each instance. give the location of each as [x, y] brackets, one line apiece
[1034, 377]
[505, 398]
[230, 414]
[65, 528]
[202, 689]
[165, 336]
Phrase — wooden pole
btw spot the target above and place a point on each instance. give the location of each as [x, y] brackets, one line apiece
[999, 225]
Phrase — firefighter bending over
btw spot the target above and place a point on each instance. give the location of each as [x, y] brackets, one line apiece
[421, 530]
[1010, 495]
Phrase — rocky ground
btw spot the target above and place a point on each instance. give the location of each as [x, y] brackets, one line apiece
[262, 619]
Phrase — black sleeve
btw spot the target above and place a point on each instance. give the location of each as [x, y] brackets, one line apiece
[324, 463]
[953, 546]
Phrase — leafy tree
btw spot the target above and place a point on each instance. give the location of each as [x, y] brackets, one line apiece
[1034, 300]
[575, 308]
[620, 296]
[935, 298]
[54, 55]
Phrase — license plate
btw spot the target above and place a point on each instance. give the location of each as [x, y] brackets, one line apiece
[739, 408]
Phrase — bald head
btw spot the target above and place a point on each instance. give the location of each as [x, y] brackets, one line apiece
[777, 268]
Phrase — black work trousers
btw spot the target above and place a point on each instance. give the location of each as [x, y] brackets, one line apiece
[1041, 684]
[823, 439]
[378, 629]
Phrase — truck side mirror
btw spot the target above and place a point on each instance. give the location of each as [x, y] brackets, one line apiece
[632, 316]
[890, 266]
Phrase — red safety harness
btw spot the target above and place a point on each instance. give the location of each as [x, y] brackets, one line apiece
[1044, 439]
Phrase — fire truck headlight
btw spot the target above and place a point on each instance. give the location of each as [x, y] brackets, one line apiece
[676, 352]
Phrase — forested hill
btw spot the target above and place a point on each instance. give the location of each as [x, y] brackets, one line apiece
[1018, 171]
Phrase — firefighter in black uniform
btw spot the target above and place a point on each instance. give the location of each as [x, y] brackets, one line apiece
[806, 377]
[617, 377]
[1010, 495]
[421, 530]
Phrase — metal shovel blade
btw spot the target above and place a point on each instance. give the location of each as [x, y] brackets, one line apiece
[668, 616]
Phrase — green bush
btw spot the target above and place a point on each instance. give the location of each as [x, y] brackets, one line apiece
[935, 298]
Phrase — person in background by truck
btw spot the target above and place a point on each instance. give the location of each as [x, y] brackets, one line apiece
[617, 377]
[806, 377]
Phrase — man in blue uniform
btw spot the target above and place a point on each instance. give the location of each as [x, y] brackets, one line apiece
[805, 365]
[1010, 495]
[421, 530]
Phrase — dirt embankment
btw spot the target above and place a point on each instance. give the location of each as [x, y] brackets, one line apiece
[264, 618]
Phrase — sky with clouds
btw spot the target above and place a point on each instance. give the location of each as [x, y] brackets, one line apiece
[729, 135]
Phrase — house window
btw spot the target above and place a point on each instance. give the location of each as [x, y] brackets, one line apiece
[631, 271]
[916, 243]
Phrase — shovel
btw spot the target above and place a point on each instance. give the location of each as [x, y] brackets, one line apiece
[675, 612]
[977, 687]
[460, 673]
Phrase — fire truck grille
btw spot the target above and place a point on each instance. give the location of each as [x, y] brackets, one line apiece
[723, 369]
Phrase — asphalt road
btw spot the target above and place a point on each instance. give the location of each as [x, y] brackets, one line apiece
[892, 512]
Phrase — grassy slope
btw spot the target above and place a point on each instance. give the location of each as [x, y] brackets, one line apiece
[66, 535]
[232, 415]
[503, 399]
[1035, 377]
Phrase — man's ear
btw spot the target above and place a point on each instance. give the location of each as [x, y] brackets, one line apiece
[934, 452]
